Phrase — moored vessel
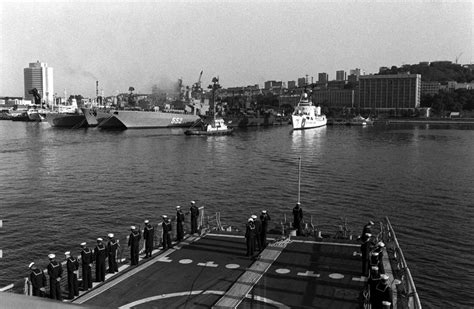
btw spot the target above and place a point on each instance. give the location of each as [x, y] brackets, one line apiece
[66, 120]
[306, 115]
[212, 126]
[360, 121]
[130, 119]
[94, 116]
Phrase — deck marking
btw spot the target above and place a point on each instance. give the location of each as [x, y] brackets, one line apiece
[188, 293]
[361, 279]
[309, 274]
[232, 266]
[165, 259]
[246, 282]
[282, 271]
[336, 276]
[325, 243]
[185, 261]
[208, 264]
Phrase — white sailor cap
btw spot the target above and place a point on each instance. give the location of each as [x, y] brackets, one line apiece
[193, 202]
[67, 253]
[264, 211]
[99, 239]
[384, 277]
[386, 303]
[83, 243]
[298, 203]
[147, 221]
[381, 244]
[111, 235]
[164, 216]
[250, 220]
[368, 235]
[31, 264]
[371, 222]
[375, 253]
[178, 207]
[375, 268]
[254, 217]
[51, 256]
[132, 227]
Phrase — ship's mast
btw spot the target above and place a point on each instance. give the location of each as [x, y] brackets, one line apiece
[299, 179]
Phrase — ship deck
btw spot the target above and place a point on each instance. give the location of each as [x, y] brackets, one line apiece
[213, 271]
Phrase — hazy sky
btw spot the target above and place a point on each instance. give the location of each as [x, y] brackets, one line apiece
[140, 44]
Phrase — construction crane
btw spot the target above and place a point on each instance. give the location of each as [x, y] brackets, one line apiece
[197, 85]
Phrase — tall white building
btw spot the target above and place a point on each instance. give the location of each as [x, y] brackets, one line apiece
[38, 75]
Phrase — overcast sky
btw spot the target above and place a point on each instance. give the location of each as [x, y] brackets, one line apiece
[141, 44]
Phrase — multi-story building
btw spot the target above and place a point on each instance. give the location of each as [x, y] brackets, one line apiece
[334, 98]
[341, 75]
[323, 78]
[301, 82]
[385, 92]
[291, 84]
[430, 88]
[38, 75]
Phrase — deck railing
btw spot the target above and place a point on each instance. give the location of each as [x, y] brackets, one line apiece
[407, 296]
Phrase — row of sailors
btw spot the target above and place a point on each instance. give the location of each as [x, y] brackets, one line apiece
[256, 233]
[102, 252]
[372, 258]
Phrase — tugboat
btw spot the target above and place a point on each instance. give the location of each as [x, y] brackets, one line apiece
[215, 125]
[306, 115]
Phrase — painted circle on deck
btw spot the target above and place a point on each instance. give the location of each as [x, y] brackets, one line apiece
[336, 276]
[232, 266]
[185, 261]
[282, 271]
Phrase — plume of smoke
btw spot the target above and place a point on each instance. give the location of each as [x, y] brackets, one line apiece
[165, 85]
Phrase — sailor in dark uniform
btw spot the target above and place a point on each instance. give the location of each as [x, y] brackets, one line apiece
[166, 226]
[298, 219]
[55, 272]
[379, 248]
[250, 235]
[112, 247]
[148, 235]
[194, 210]
[367, 229]
[179, 224]
[134, 244]
[382, 293]
[38, 280]
[365, 251]
[373, 280]
[72, 266]
[258, 232]
[100, 254]
[86, 259]
[264, 218]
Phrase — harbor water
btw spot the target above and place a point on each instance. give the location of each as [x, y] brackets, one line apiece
[60, 187]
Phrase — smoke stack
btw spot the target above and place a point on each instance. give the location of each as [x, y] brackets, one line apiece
[96, 88]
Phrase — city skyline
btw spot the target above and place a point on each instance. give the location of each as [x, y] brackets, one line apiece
[125, 44]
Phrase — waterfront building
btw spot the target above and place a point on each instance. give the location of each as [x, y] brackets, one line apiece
[323, 78]
[352, 78]
[430, 88]
[341, 75]
[291, 84]
[356, 72]
[38, 75]
[334, 98]
[301, 82]
[336, 84]
[389, 92]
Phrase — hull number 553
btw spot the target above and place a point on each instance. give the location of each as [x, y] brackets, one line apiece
[176, 120]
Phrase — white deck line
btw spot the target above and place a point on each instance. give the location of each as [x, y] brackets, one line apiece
[239, 290]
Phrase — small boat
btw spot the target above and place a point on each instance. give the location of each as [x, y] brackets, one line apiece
[66, 120]
[306, 115]
[360, 121]
[213, 126]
